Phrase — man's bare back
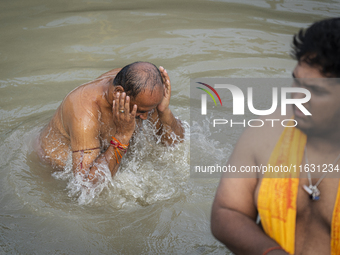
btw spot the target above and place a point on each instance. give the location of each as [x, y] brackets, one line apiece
[85, 103]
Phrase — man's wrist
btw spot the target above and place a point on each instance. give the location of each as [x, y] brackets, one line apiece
[124, 139]
[165, 112]
[274, 250]
[166, 116]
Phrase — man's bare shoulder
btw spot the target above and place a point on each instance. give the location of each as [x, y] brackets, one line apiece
[258, 142]
[253, 148]
[81, 108]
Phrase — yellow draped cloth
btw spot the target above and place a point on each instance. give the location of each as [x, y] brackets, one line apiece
[277, 196]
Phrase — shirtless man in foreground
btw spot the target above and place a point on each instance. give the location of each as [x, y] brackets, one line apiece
[96, 121]
[236, 204]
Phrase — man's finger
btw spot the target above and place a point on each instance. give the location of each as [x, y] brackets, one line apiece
[163, 73]
[134, 111]
[127, 105]
[122, 101]
[165, 77]
[117, 103]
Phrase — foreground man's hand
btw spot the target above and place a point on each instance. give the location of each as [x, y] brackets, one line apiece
[164, 105]
[124, 121]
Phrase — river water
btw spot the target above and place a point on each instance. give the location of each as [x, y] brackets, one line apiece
[152, 206]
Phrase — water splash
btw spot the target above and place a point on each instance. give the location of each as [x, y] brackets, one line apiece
[149, 172]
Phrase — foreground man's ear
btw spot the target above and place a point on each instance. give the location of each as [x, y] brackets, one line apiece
[117, 89]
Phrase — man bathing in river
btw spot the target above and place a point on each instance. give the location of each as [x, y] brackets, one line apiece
[298, 216]
[95, 121]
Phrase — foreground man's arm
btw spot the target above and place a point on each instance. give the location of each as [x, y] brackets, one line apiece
[89, 161]
[234, 209]
[167, 125]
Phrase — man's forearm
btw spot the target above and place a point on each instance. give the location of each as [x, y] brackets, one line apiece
[112, 157]
[169, 125]
[240, 233]
[108, 158]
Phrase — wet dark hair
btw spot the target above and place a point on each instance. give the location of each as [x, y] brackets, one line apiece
[137, 77]
[319, 46]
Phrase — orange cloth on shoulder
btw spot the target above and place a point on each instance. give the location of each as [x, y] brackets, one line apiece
[277, 196]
